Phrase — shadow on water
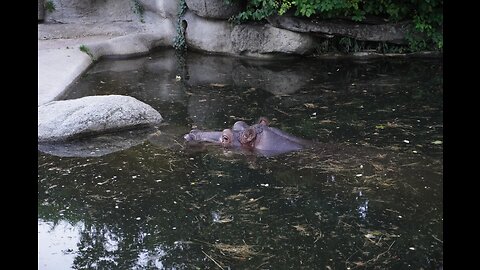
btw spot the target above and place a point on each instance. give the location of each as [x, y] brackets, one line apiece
[368, 194]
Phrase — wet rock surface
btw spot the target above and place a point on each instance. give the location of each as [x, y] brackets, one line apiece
[96, 146]
[246, 39]
[66, 119]
[215, 9]
[387, 32]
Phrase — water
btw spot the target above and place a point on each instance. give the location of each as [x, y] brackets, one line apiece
[368, 194]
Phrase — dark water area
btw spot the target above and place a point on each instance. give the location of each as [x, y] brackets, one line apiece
[367, 195]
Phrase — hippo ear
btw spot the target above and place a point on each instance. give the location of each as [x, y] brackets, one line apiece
[248, 136]
[240, 125]
[263, 121]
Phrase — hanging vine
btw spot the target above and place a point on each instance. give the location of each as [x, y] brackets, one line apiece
[179, 43]
[139, 10]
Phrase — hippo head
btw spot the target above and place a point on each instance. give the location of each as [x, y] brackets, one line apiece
[236, 137]
[258, 137]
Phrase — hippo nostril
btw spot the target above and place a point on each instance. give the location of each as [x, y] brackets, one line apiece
[188, 137]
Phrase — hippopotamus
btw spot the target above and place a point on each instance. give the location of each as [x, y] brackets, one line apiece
[259, 138]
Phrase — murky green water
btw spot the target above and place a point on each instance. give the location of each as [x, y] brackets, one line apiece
[368, 194]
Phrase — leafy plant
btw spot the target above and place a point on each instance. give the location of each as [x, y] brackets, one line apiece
[346, 44]
[139, 9]
[179, 42]
[351, 45]
[426, 16]
[49, 6]
[86, 50]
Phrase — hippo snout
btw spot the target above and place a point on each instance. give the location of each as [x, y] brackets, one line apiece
[189, 137]
[192, 136]
[203, 136]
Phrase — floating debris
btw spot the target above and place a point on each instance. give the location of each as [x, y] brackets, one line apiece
[218, 85]
[239, 252]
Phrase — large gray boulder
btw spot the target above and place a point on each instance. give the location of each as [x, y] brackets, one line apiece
[265, 39]
[247, 39]
[215, 9]
[67, 119]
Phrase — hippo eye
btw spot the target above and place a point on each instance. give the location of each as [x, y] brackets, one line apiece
[225, 138]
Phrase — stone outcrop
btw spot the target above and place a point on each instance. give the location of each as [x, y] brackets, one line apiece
[130, 45]
[264, 39]
[67, 119]
[388, 32]
[215, 9]
[246, 39]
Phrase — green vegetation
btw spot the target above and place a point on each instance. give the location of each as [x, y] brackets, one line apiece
[49, 6]
[350, 45]
[179, 43]
[426, 15]
[86, 50]
[138, 9]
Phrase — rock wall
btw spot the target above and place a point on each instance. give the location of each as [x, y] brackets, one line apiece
[206, 25]
[71, 11]
[41, 10]
[215, 9]
[73, 19]
[220, 36]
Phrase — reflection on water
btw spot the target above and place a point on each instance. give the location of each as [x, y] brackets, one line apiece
[368, 194]
[57, 243]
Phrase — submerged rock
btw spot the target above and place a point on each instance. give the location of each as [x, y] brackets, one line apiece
[97, 146]
[93, 115]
